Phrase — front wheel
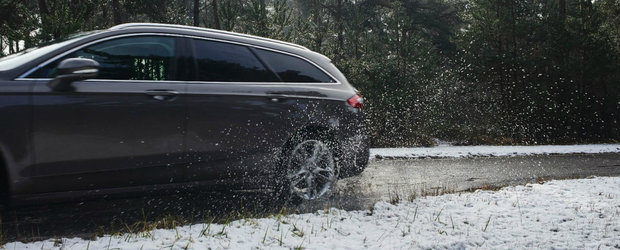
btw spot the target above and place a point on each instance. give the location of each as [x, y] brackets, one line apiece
[310, 171]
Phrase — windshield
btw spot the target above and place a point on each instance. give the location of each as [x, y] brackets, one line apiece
[22, 57]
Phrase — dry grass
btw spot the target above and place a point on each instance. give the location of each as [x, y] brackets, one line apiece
[397, 197]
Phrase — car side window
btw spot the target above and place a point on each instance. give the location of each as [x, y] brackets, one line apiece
[224, 62]
[293, 69]
[129, 58]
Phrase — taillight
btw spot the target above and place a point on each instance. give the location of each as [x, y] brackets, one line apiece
[356, 101]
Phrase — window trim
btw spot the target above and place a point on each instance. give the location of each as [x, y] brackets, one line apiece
[25, 75]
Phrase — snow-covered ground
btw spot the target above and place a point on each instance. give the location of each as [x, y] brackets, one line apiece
[448, 151]
[573, 214]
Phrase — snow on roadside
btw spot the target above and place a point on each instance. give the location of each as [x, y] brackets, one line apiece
[447, 151]
[583, 213]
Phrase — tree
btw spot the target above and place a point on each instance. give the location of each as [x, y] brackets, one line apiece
[216, 16]
[196, 11]
[116, 12]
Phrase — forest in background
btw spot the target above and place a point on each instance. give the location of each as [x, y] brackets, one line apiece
[467, 71]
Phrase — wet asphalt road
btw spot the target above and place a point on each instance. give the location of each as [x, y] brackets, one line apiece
[383, 180]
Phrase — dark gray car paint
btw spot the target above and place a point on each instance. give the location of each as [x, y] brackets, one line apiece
[112, 136]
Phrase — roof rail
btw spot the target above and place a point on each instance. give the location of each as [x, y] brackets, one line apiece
[162, 25]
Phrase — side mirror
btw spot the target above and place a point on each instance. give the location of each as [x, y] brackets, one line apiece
[71, 70]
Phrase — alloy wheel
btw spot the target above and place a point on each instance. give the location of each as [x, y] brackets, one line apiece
[311, 170]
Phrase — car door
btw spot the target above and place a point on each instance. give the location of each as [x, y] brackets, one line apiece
[124, 128]
[237, 113]
[14, 134]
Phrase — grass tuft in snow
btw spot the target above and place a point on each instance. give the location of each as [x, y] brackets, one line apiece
[395, 197]
[487, 224]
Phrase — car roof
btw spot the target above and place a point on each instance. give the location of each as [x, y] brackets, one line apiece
[213, 31]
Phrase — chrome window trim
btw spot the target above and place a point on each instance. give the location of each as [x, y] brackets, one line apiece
[24, 76]
[193, 28]
[185, 82]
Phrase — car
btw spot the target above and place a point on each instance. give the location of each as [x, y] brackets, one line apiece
[144, 107]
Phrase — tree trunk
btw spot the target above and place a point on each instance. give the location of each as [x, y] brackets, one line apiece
[44, 13]
[43, 9]
[263, 18]
[116, 12]
[318, 41]
[104, 13]
[562, 9]
[196, 9]
[11, 51]
[340, 22]
[207, 24]
[216, 16]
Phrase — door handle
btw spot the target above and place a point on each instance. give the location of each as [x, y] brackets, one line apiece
[277, 98]
[161, 94]
[164, 92]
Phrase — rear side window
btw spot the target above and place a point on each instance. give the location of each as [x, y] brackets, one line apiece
[223, 62]
[130, 58]
[293, 69]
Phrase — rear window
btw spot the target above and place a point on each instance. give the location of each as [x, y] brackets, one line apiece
[224, 62]
[293, 69]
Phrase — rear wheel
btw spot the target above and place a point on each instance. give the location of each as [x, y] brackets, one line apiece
[310, 171]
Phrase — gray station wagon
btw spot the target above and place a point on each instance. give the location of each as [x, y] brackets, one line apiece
[146, 107]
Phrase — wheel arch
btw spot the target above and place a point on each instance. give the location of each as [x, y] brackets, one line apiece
[313, 131]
